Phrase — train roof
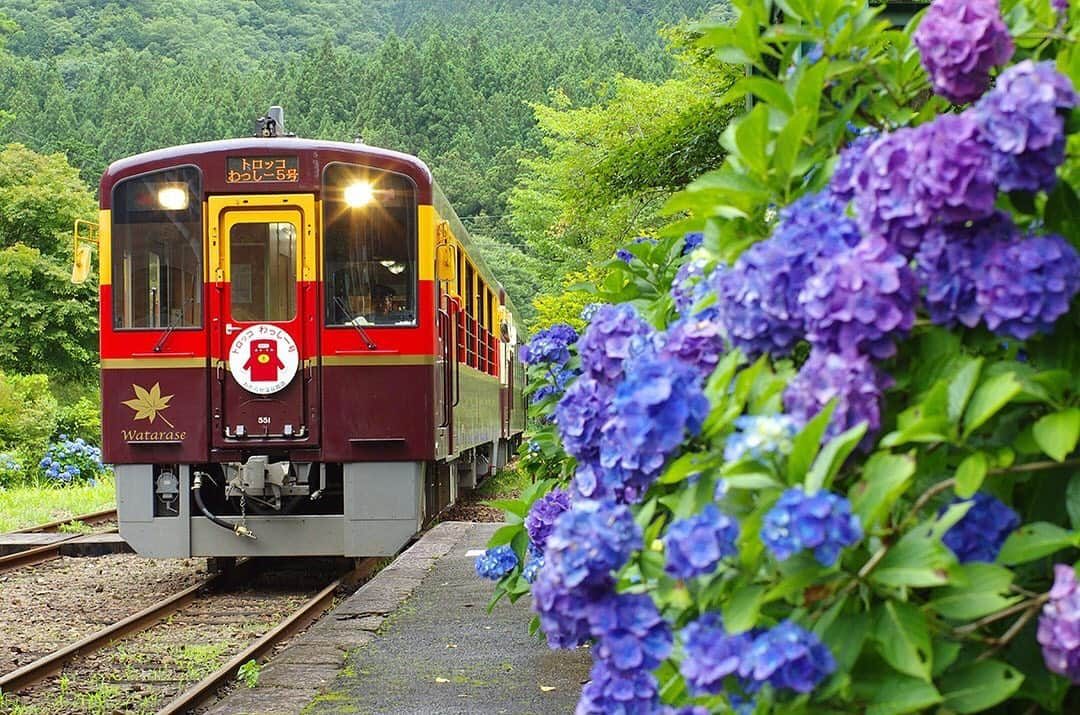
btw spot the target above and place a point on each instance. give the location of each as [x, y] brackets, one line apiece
[315, 154]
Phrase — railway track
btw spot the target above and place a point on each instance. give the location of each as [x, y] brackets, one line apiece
[128, 661]
[47, 552]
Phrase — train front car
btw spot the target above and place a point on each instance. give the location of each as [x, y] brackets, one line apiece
[298, 354]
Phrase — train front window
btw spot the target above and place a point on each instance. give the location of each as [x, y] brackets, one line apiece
[157, 271]
[262, 262]
[369, 244]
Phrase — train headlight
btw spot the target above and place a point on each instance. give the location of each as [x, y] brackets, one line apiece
[173, 198]
[359, 194]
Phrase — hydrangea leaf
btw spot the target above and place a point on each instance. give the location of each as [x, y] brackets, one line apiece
[505, 534]
[1072, 501]
[898, 694]
[903, 638]
[916, 561]
[981, 591]
[975, 687]
[1033, 541]
[830, 460]
[742, 609]
[1057, 433]
[970, 474]
[961, 386]
[846, 637]
[807, 443]
[885, 477]
[989, 398]
[512, 507]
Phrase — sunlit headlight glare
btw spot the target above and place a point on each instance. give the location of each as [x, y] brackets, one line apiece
[173, 198]
[359, 194]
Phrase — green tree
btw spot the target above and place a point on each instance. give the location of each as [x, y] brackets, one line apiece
[40, 198]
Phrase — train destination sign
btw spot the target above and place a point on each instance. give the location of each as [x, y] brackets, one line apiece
[261, 169]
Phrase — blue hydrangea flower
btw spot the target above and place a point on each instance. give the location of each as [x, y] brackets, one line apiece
[758, 299]
[960, 41]
[496, 562]
[1024, 286]
[655, 407]
[842, 183]
[533, 564]
[581, 415]
[950, 261]
[853, 381]
[711, 654]
[550, 346]
[563, 611]
[822, 522]
[861, 301]
[1023, 121]
[757, 436]
[540, 521]
[590, 541]
[625, 255]
[615, 334]
[691, 241]
[787, 657]
[697, 342]
[589, 311]
[689, 285]
[1059, 625]
[911, 179]
[695, 545]
[618, 692]
[978, 536]
[559, 379]
[630, 633]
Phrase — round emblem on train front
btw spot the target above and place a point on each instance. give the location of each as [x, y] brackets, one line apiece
[263, 359]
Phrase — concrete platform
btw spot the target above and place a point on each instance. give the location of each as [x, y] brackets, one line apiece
[418, 639]
[70, 544]
[14, 543]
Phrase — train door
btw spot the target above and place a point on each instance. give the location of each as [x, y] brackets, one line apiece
[263, 319]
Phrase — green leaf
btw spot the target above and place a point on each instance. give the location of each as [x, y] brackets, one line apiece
[885, 477]
[1072, 500]
[832, 457]
[752, 138]
[961, 386]
[898, 694]
[741, 610]
[970, 475]
[807, 443]
[903, 638]
[770, 91]
[505, 535]
[1033, 541]
[979, 591]
[1057, 433]
[974, 687]
[991, 396]
[684, 466]
[512, 506]
[916, 561]
[846, 636]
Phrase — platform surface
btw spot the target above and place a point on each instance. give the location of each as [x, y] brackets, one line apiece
[418, 639]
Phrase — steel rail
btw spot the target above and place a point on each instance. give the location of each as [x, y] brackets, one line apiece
[39, 554]
[43, 667]
[92, 518]
[300, 618]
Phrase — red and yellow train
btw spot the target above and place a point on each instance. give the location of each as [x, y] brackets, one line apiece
[301, 353]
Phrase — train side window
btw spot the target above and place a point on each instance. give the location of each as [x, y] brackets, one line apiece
[157, 269]
[369, 246]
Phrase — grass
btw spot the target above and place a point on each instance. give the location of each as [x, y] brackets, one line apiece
[508, 483]
[27, 505]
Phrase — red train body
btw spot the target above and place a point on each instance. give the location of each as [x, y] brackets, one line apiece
[297, 344]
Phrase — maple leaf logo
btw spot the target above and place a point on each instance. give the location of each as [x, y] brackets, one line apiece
[148, 404]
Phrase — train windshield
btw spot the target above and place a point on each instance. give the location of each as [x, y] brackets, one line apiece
[157, 272]
[369, 244]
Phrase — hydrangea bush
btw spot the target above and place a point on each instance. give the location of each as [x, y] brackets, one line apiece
[71, 461]
[825, 459]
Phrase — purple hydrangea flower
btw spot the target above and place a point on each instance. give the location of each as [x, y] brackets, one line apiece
[756, 436]
[580, 416]
[685, 710]
[842, 183]
[949, 262]
[559, 379]
[540, 521]
[711, 654]
[911, 179]
[758, 298]
[630, 633]
[822, 521]
[655, 407]
[861, 301]
[550, 346]
[563, 610]
[978, 536]
[691, 241]
[852, 381]
[960, 42]
[695, 545]
[496, 562]
[1024, 286]
[697, 342]
[1061, 6]
[1023, 121]
[615, 334]
[787, 657]
[611, 691]
[1059, 625]
[689, 285]
[590, 541]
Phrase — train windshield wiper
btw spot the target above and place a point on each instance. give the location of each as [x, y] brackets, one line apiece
[165, 336]
[353, 322]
